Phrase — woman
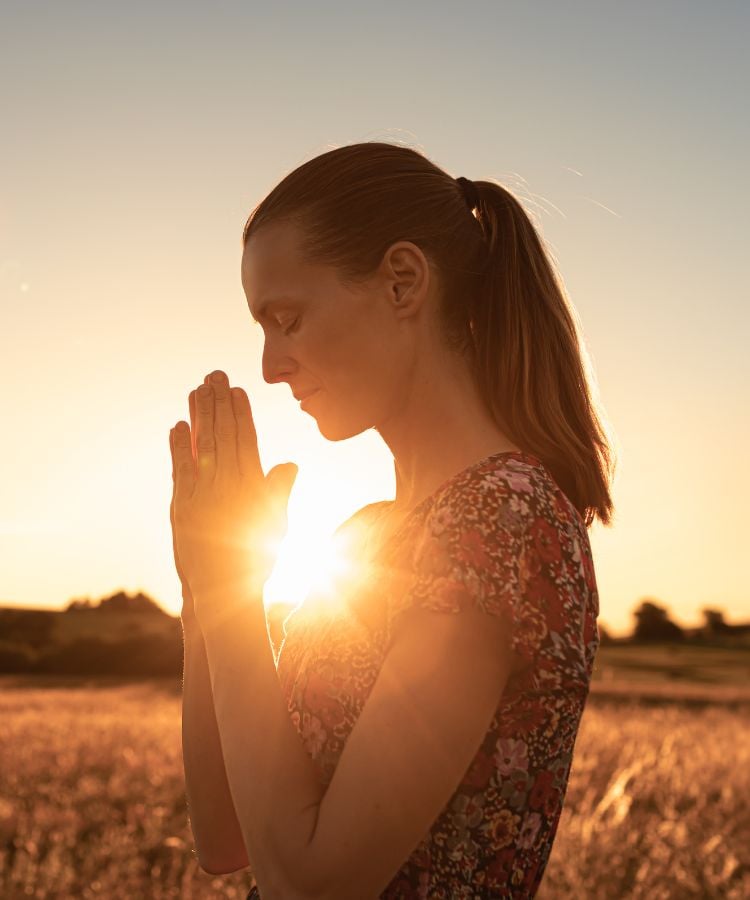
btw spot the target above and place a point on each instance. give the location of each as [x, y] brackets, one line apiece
[415, 740]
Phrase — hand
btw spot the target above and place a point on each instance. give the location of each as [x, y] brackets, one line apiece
[226, 515]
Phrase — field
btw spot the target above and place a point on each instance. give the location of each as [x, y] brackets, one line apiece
[92, 798]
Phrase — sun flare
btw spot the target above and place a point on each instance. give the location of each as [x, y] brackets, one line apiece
[310, 564]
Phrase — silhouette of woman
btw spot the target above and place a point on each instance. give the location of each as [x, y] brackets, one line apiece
[415, 739]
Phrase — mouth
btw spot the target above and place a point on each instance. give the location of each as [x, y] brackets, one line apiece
[305, 395]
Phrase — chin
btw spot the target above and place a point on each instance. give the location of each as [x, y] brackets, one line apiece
[338, 431]
[335, 428]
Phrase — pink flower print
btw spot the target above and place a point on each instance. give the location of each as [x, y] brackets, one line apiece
[519, 506]
[441, 520]
[313, 734]
[529, 831]
[518, 481]
[511, 754]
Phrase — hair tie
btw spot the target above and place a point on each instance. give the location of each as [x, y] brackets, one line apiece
[471, 194]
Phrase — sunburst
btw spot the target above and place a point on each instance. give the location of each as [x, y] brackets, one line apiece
[311, 565]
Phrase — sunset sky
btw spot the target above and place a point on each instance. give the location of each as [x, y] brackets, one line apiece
[137, 137]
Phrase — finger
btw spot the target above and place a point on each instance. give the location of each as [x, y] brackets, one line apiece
[194, 417]
[171, 451]
[225, 428]
[205, 444]
[183, 464]
[248, 456]
[180, 573]
[171, 505]
[280, 481]
[193, 422]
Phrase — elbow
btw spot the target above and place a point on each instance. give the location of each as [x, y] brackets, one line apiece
[219, 854]
[218, 865]
[220, 868]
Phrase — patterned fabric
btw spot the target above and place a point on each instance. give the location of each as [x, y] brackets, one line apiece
[500, 536]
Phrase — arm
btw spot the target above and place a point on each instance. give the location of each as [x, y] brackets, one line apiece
[386, 793]
[213, 820]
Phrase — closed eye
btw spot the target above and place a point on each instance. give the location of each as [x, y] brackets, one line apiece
[292, 327]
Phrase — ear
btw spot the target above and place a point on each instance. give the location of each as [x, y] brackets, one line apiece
[407, 276]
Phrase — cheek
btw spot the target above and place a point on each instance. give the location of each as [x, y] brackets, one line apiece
[358, 353]
[367, 360]
[347, 349]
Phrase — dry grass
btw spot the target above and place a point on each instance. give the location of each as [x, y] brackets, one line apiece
[92, 800]
[657, 805]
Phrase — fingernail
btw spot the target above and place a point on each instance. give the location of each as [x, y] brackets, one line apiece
[218, 377]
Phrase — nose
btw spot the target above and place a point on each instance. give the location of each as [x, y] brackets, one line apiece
[276, 367]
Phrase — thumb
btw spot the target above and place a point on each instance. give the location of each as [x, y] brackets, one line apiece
[280, 479]
[279, 483]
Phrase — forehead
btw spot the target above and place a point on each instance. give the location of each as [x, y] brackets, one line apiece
[272, 266]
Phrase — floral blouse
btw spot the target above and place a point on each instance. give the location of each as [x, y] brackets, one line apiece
[502, 537]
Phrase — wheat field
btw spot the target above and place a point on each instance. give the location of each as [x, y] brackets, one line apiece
[92, 799]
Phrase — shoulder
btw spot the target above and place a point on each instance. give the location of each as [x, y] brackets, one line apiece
[351, 536]
[362, 517]
[504, 498]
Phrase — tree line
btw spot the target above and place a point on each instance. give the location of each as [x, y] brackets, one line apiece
[654, 624]
[131, 635]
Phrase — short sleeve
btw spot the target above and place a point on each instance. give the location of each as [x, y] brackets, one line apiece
[477, 549]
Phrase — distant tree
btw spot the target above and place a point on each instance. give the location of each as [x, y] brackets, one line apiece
[653, 623]
[604, 636]
[78, 603]
[714, 621]
[122, 602]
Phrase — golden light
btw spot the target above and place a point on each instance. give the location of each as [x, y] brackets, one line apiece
[310, 565]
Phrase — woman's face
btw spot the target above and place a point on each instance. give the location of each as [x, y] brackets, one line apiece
[346, 345]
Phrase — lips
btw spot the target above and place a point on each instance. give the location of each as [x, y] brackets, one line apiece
[304, 394]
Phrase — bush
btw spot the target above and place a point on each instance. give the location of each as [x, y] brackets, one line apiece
[147, 656]
[14, 659]
[653, 624]
[32, 627]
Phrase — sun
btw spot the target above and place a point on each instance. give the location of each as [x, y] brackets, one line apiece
[311, 562]
[325, 558]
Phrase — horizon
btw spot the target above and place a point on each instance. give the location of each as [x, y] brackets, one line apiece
[95, 602]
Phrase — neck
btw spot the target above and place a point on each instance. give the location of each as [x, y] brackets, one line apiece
[440, 427]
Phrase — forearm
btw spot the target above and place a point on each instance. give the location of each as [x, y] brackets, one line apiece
[273, 781]
[216, 830]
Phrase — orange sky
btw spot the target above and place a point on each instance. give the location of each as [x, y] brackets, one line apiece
[135, 144]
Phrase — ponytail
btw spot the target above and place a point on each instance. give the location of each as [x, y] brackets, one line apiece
[529, 361]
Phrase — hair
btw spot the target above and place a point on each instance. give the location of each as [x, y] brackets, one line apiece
[502, 304]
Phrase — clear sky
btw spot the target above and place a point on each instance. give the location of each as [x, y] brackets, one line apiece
[137, 137]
